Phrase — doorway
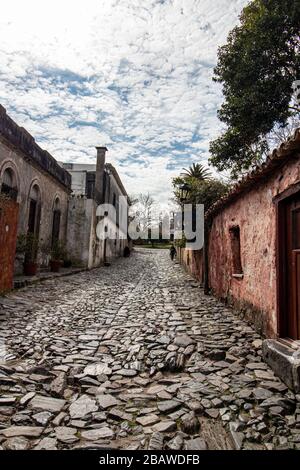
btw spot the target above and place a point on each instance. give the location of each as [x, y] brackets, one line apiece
[34, 217]
[33, 227]
[289, 267]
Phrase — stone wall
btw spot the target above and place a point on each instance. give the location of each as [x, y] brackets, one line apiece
[192, 261]
[83, 242]
[8, 235]
[79, 228]
[50, 189]
[19, 138]
[255, 292]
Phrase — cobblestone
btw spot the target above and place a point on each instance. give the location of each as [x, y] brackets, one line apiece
[135, 356]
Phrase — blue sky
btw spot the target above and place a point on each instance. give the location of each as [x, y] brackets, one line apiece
[129, 74]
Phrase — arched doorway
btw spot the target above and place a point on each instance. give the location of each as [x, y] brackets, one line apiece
[9, 184]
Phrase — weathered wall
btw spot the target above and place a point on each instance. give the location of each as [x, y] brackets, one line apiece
[255, 214]
[19, 138]
[79, 228]
[8, 235]
[83, 241]
[114, 246]
[78, 173]
[50, 189]
[192, 260]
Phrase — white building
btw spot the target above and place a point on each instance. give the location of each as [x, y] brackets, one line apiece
[95, 238]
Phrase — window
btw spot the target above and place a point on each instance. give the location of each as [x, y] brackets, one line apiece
[114, 200]
[237, 270]
[9, 184]
[90, 185]
[34, 216]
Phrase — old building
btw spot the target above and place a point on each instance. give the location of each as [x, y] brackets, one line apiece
[253, 255]
[254, 244]
[92, 185]
[32, 178]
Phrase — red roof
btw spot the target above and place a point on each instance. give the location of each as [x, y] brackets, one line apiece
[287, 151]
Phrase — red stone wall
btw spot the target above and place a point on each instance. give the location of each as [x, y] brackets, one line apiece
[255, 214]
[192, 260]
[8, 235]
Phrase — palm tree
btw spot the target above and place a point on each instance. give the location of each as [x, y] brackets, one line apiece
[196, 171]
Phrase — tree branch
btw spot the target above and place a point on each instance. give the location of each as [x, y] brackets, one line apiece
[295, 108]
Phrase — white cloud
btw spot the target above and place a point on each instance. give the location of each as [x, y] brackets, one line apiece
[132, 75]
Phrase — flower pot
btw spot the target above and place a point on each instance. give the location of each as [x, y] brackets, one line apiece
[30, 268]
[55, 266]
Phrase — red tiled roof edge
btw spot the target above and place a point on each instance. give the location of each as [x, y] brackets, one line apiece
[275, 160]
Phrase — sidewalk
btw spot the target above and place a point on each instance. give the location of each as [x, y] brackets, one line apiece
[23, 281]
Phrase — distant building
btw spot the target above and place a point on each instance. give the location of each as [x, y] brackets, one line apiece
[36, 199]
[36, 183]
[93, 185]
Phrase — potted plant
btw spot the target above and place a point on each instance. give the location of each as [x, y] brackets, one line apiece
[67, 260]
[57, 254]
[28, 244]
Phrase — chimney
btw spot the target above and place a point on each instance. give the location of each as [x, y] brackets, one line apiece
[99, 182]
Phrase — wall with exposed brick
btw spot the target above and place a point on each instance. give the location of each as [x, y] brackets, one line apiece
[254, 212]
[192, 261]
[50, 189]
[8, 235]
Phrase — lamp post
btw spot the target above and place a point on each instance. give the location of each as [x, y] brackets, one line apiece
[183, 192]
[184, 189]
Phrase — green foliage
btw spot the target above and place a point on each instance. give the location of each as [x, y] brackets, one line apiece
[196, 171]
[257, 68]
[181, 243]
[205, 192]
[58, 251]
[28, 244]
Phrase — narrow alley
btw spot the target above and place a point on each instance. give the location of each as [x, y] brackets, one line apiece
[135, 356]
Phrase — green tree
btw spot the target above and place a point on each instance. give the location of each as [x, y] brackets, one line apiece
[197, 171]
[257, 68]
[205, 192]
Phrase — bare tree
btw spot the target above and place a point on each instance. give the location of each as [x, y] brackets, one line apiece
[142, 210]
[281, 134]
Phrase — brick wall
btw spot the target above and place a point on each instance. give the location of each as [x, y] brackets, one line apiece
[254, 212]
[8, 235]
[49, 188]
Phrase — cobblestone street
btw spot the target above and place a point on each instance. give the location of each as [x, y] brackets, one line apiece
[134, 356]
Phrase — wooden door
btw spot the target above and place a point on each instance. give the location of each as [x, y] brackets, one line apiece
[293, 268]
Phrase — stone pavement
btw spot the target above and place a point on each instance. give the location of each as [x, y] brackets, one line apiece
[134, 356]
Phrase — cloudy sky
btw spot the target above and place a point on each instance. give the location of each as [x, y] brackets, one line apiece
[134, 75]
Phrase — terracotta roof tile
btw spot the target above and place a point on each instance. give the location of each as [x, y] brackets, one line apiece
[285, 152]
